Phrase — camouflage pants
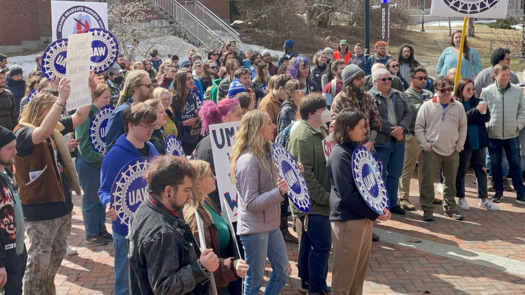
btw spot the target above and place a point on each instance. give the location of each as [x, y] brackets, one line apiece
[47, 248]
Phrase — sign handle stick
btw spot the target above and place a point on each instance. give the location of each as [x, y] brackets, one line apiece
[458, 67]
[202, 241]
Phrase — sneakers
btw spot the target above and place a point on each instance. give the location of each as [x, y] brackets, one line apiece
[520, 199]
[405, 204]
[398, 210]
[106, 236]
[375, 238]
[462, 203]
[96, 240]
[497, 197]
[305, 285]
[487, 204]
[428, 215]
[71, 251]
[454, 215]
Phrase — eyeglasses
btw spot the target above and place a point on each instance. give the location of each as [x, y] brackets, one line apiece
[213, 68]
[147, 127]
[469, 89]
[150, 85]
[386, 79]
[394, 66]
[214, 53]
[421, 78]
[443, 90]
[173, 71]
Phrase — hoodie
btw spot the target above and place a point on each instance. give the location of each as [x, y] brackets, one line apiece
[120, 154]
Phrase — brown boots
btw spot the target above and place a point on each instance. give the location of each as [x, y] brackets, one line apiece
[288, 237]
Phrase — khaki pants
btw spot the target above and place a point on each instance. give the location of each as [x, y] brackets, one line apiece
[413, 155]
[47, 248]
[449, 165]
[352, 242]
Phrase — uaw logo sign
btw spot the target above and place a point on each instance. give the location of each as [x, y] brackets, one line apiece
[97, 129]
[104, 50]
[367, 177]
[289, 171]
[470, 8]
[173, 146]
[129, 190]
[78, 19]
[54, 60]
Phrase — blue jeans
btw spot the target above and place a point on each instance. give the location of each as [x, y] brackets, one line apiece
[93, 211]
[522, 144]
[120, 245]
[256, 248]
[316, 241]
[504, 164]
[392, 158]
[512, 149]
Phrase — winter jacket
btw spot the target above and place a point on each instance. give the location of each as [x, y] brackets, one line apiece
[18, 88]
[402, 112]
[286, 115]
[507, 111]
[163, 255]
[484, 79]
[115, 126]
[317, 72]
[474, 117]
[444, 130]
[415, 100]
[258, 196]
[306, 146]
[122, 153]
[346, 202]
[371, 60]
[8, 110]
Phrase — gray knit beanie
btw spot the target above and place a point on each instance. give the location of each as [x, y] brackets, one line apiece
[350, 72]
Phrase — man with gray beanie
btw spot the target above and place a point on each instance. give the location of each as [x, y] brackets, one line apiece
[354, 97]
[13, 255]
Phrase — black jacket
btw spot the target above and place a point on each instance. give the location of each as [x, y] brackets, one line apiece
[346, 202]
[474, 117]
[163, 255]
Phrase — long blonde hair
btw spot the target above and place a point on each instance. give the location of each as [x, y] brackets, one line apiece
[201, 170]
[34, 110]
[249, 138]
[132, 80]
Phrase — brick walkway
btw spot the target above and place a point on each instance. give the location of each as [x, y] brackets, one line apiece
[396, 266]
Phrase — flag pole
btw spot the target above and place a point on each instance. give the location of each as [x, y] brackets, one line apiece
[458, 67]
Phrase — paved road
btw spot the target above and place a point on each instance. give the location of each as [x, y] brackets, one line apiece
[485, 254]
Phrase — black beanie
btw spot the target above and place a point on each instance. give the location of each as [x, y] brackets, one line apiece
[6, 136]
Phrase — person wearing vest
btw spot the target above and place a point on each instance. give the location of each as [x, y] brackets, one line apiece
[13, 255]
[343, 51]
[46, 175]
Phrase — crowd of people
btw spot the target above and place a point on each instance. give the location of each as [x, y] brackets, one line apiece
[389, 105]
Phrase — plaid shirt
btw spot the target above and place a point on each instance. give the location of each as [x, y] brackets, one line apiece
[364, 104]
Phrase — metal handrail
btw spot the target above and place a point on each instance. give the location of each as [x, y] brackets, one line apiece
[195, 27]
[222, 24]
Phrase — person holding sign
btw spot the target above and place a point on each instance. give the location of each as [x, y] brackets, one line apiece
[88, 165]
[470, 63]
[216, 229]
[351, 218]
[139, 121]
[306, 146]
[164, 256]
[46, 175]
[259, 193]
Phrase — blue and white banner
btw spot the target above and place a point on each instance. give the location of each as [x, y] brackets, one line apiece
[129, 190]
[289, 171]
[72, 17]
[470, 8]
[174, 146]
[104, 50]
[54, 59]
[97, 129]
[367, 177]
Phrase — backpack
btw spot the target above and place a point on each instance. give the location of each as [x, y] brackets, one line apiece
[283, 136]
[330, 96]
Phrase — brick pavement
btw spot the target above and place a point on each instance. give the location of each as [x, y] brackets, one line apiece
[393, 269]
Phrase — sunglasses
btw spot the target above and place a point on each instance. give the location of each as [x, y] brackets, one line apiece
[386, 79]
[213, 68]
[394, 66]
[421, 78]
[215, 53]
[469, 89]
[449, 89]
